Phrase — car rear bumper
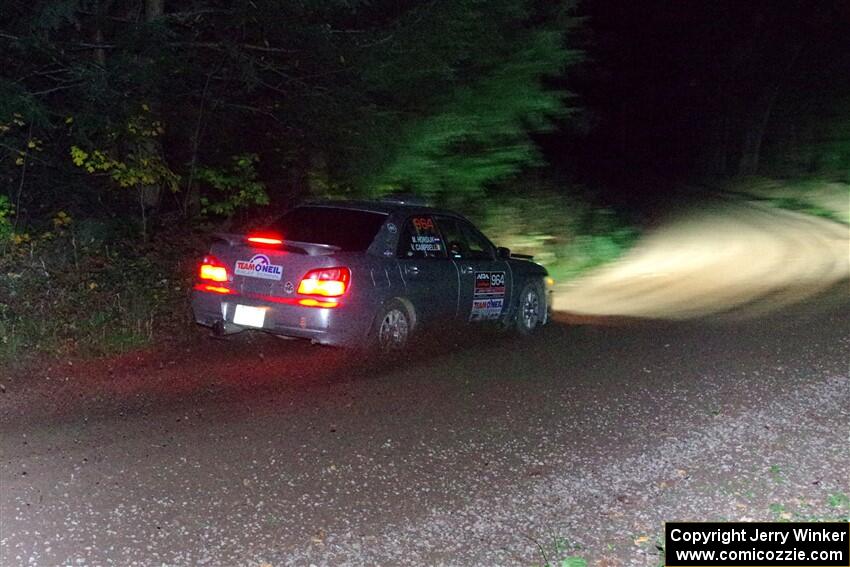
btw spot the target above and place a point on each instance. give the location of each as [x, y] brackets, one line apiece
[344, 325]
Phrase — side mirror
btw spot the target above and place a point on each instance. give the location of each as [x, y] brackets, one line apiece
[503, 253]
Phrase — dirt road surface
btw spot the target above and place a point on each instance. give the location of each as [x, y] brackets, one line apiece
[469, 451]
[726, 256]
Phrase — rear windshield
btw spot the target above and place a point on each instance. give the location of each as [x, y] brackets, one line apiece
[352, 231]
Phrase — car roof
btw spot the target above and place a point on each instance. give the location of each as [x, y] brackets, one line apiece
[384, 207]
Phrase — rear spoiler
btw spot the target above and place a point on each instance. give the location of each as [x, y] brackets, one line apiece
[308, 248]
[522, 256]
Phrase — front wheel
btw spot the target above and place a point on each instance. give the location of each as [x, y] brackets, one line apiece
[392, 328]
[531, 309]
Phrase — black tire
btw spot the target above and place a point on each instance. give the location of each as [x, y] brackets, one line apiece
[530, 309]
[392, 329]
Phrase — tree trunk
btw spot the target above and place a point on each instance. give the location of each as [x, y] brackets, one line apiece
[99, 53]
[192, 199]
[754, 135]
[151, 194]
[153, 9]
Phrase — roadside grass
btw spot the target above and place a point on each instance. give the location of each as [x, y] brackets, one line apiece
[813, 196]
[571, 561]
[803, 206]
[77, 292]
[565, 233]
[559, 552]
[588, 251]
[838, 504]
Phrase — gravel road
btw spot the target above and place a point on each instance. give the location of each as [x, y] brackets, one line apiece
[492, 451]
[468, 451]
[720, 255]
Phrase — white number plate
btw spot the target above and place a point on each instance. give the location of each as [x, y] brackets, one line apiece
[249, 316]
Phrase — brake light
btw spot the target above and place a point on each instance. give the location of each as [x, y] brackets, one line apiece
[212, 269]
[328, 282]
[310, 302]
[214, 289]
[266, 239]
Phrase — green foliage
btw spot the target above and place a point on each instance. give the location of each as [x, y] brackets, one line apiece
[560, 229]
[801, 205]
[836, 508]
[475, 132]
[810, 195]
[559, 553]
[839, 500]
[6, 227]
[142, 163]
[349, 98]
[236, 187]
[65, 292]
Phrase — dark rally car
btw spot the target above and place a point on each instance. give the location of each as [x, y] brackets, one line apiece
[366, 274]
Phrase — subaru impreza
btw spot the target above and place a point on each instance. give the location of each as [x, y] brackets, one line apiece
[366, 274]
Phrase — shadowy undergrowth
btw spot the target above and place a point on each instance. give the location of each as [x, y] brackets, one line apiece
[566, 233]
[90, 289]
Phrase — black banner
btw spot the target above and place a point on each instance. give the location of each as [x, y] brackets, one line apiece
[762, 544]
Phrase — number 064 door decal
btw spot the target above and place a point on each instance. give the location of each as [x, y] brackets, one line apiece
[488, 299]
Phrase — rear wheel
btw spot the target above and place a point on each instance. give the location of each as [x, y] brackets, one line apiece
[392, 328]
[531, 309]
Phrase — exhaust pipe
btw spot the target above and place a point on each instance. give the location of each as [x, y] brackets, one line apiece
[222, 328]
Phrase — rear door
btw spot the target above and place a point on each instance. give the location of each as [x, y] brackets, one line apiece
[484, 280]
[430, 277]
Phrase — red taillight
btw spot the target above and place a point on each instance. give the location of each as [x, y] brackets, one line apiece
[212, 269]
[310, 302]
[328, 282]
[266, 239]
[214, 289]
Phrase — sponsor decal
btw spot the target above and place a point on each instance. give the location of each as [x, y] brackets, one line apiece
[392, 228]
[259, 267]
[488, 298]
[489, 284]
[485, 309]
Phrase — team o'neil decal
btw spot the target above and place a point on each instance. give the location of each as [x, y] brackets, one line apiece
[488, 299]
[259, 267]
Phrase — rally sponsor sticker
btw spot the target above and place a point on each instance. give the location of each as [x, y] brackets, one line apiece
[489, 284]
[488, 298]
[486, 309]
[259, 267]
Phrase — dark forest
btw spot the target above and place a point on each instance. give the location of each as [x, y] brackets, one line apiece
[129, 130]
